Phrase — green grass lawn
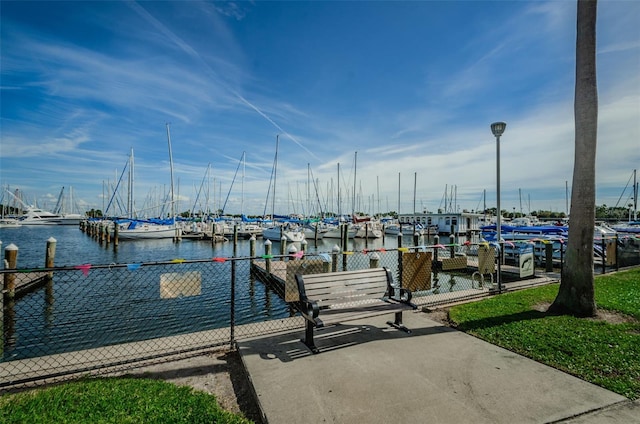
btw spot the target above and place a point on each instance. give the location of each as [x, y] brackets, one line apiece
[604, 351]
[114, 400]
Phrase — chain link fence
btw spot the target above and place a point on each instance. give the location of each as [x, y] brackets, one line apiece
[61, 321]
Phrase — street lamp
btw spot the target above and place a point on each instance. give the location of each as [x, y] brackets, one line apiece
[497, 128]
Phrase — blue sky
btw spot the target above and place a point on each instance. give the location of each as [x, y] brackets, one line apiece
[412, 87]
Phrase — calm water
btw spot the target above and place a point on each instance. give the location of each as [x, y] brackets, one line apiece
[74, 247]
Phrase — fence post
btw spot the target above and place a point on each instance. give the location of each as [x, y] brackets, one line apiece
[400, 254]
[452, 248]
[436, 241]
[344, 237]
[434, 265]
[232, 317]
[235, 240]
[617, 253]
[561, 259]
[604, 255]
[548, 256]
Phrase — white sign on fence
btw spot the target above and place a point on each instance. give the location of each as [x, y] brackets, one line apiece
[180, 284]
[526, 261]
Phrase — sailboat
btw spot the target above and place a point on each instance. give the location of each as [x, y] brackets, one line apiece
[279, 231]
[136, 229]
[334, 226]
[365, 226]
[67, 218]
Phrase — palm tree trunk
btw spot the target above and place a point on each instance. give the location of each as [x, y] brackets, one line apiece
[576, 294]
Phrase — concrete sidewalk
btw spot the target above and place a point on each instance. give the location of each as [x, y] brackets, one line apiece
[367, 372]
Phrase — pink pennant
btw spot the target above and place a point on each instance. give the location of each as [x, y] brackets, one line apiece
[219, 259]
[84, 268]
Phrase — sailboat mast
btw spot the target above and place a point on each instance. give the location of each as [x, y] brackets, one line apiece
[415, 182]
[520, 195]
[398, 213]
[355, 167]
[171, 169]
[635, 196]
[275, 174]
[378, 193]
[244, 166]
[130, 212]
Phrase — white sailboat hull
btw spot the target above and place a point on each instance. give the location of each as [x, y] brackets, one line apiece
[147, 231]
[277, 233]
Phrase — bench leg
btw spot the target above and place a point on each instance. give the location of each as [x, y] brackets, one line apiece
[308, 338]
[398, 323]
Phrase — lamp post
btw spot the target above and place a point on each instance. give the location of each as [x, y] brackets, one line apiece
[497, 128]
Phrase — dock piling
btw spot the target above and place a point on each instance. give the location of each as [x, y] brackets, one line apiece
[267, 253]
[334, 257]
[49, 262]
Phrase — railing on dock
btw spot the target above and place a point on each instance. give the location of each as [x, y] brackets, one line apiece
[92, 318]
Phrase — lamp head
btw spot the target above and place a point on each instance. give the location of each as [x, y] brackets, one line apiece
[497, 128]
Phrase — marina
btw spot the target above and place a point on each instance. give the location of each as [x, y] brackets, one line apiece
[100, 296]
[138, 294]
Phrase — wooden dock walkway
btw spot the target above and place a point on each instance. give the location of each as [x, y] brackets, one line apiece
[23, 283]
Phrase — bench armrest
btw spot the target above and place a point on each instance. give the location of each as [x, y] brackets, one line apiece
[310, 309]
[401, 294]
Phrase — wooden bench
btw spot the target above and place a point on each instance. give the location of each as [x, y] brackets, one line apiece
[335, 297]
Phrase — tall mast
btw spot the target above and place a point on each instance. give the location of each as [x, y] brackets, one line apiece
[398, 212]
[415, 182]
[520, 195]
[171, 170]
[635, 196]
[355, 167]
[244, 165]
[339, 205]
[275, 173]
[130, 191]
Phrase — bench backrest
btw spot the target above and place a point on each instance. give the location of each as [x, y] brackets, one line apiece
[345, 288]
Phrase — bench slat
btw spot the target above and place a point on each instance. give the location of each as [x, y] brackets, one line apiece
[319, 293]
[335, 316]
